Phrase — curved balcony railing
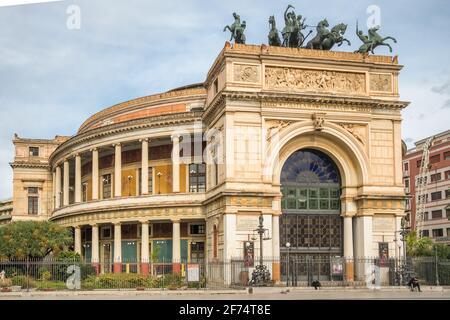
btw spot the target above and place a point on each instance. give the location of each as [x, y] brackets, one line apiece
[136, 202]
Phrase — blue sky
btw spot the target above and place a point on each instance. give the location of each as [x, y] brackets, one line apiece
[53, 78]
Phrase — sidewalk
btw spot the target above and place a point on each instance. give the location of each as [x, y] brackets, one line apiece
[212, 293]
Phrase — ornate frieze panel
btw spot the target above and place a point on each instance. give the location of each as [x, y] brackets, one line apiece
[358, 131]
[315, 80]
[246, 73]
[275, 126]
[381, 82]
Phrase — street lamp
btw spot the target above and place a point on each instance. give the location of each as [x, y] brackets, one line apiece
[288, 246]
[261, 275]
[159, 174]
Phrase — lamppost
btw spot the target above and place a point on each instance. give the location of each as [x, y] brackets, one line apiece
[159, 174]
[288, 246]
[404, 230]
[261, 275]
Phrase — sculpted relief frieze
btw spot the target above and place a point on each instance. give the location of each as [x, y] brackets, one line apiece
[380, 82]
[358, 131]
[316, 80]
[246, 73]
[275, 126]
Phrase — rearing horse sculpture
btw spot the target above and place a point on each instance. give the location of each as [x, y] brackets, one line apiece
[373, 40]
[237, 29]
[336, 36]
[322, 33]
[274, 38]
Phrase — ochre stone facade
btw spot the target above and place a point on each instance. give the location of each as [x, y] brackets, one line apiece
[257, 107]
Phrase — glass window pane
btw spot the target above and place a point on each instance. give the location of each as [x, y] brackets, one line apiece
[324, 193]
[324, 205]
[313, 193]
[313, 204]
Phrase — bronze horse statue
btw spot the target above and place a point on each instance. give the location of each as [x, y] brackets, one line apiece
[237, 29]
[372, 41]
[274, 38]
[336, 36]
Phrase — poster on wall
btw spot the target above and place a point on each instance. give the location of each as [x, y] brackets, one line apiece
[249, 254]
[193, 272]
[336, 266]
[383, 253]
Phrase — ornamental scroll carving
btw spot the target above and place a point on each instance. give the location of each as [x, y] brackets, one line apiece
[246, 73]
[275, 126]
[358, 131]
[380, 82]
[305, 79]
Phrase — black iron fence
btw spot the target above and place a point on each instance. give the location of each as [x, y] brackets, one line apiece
[48, 275]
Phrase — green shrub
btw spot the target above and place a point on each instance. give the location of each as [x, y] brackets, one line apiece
[5, 283]
[23, 281]
[51, 285]
[46, 276]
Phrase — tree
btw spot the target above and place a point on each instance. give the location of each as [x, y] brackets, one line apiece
[425, 247]
[33, 239]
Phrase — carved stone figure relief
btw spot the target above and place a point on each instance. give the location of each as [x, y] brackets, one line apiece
[380, 82]
[246, 73]
[304, 79]
[318, 120]
[275, 126]
[358, 131]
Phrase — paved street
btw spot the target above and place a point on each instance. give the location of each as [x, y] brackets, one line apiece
[324, 294]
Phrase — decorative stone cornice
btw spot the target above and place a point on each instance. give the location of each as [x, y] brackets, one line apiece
[142, 102]
[17, 164]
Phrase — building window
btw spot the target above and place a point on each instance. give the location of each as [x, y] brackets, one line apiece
[447, 155]
[447, 175]
[406, 166]
[435, 159]
[150, 180]
[436, 214]
[197, 177]
[105, 232]
[436, 196]
[448, 232]
[33, 200]
[438, 233]
[84, 191]
[406, 183]
[419, 162]
[426, 233]
[34, 151]
[215, 241]
[435, 177]
[425, 216]
[196, 229]
[447, 194]
[447, 213]
[106, 186]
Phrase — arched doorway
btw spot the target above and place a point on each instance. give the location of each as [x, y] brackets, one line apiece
[310, 222]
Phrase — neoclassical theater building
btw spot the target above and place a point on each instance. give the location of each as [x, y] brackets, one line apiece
[309, 140]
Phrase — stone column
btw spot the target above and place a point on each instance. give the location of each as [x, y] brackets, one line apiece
[276, 247]
[95, 249]
[66, 183]
[348, 248]
[117, 248]
[78, 240]
[364, 245]
[144, 166]
[176, 163]
[95, 174]
[176, 248]
[78, 178]
[118, 170]
[58, 187]
[145, 248]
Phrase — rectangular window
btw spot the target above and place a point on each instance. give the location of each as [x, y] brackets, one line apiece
[105, 232]
[437, 233]
[436, 214]
[34, 151]
[84, 191]
[406, 166]
[435, 177]
[436, 196]
[106, 180]
[197, 229]
[216, 86]
[447, 175]
[197, 177]
[33, 203]
[426, 233]
[406, 183]
[150, 180]
[435, 159]
[419, 162]
[447, 194]
[447, 155]
[448, 232]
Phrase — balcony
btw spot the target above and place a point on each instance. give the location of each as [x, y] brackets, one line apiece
[130, 203]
